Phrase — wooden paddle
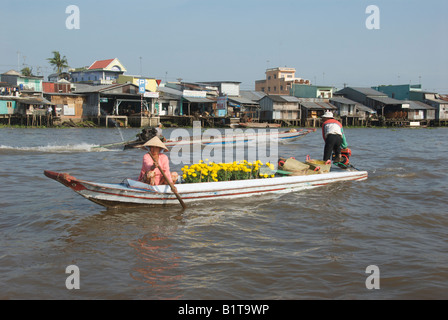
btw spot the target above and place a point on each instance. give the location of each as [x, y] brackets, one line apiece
[168, 181]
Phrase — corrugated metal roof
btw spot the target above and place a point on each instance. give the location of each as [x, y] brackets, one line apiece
[369, 91]
[365, 108]
[252, 95]
[290, 98]
[34, 100]
[318, 105]
[387, 100]
[282, 98]
[344, 100]
[171, 91]
[86, 88]
[438, 101]
[418, 105]
[199, 100]
[242, 100]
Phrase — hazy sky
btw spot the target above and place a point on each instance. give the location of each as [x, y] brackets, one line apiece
[326, 41]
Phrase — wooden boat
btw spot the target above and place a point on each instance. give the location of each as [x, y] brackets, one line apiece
[131, 193]
[259, 125]
[281, 136]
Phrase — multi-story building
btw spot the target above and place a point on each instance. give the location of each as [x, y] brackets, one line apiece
[100, 72]
[279, 81]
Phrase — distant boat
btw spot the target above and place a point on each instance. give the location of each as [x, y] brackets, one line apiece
[282, 136]
[259, 125]
[131, 193]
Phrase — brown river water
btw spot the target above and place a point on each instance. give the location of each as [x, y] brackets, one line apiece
[313, 244]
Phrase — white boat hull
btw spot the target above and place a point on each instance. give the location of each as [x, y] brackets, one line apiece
[281, 137]
[134, 193]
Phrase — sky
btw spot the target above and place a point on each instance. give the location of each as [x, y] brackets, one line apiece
[326, 41]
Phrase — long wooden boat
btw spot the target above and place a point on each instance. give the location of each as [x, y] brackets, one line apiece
[281, 136]
[259, 125]
[131, 193]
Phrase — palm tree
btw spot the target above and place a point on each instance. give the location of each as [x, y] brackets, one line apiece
[27, 71]
[59, 63]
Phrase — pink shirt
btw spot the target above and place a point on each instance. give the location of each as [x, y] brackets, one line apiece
[164, 164]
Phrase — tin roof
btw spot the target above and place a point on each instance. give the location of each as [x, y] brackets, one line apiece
[28, 100]
[369, 91]
[318, 105]
[344, 100]
[283, 98]
[365, 91]
[242, 100]
[418, 105]
[199, 100]
[387, 100]
[252, 95]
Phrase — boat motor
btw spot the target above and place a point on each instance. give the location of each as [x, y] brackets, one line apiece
[345, 155]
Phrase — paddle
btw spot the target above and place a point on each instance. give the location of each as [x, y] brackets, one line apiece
[168, 181]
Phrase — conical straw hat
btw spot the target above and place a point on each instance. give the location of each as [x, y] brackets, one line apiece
[155, 142]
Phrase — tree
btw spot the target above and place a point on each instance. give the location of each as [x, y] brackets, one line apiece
[59, 63]
[27, 71]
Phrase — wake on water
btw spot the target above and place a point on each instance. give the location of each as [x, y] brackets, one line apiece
[69, 148]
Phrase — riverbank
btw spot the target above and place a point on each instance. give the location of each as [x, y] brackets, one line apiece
[48, 121]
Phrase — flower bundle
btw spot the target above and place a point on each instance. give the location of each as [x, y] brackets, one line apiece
[237, 170]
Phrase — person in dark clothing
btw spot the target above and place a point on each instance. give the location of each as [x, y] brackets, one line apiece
[334, 137]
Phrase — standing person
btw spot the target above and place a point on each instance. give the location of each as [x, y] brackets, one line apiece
[149, 172]
[159, 132]
[334, 137]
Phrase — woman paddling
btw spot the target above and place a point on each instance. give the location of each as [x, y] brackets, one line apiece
[149, 172]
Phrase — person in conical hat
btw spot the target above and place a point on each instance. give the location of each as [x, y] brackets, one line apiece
[155, 142]
[334, 137]
[149, 172]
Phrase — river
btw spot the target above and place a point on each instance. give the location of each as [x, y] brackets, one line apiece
[315, 244]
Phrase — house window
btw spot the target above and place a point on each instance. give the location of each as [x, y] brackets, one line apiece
[269, 89]
[275, 89]
[8, 104]
[269, 77]
[281, 88]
